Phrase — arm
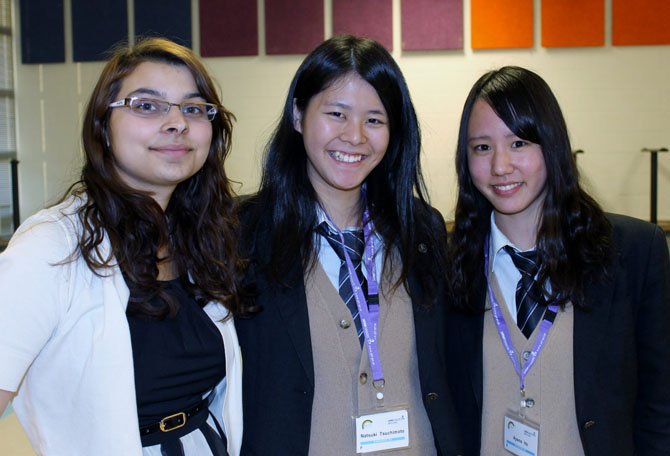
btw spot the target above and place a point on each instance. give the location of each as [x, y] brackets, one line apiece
[5, 397]
[652, 408]
[33, 301]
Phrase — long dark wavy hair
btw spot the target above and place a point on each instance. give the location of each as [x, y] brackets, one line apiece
[573, 236]
[199, 225]
[395, 187]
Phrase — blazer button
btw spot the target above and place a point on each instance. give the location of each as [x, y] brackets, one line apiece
[423, 248]
[363, 378]
[431, 397]
[344, 324]
[589, 424]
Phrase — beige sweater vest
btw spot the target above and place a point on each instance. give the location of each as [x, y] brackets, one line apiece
[343, 379]
[550, 383]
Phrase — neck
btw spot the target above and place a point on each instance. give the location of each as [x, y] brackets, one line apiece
[520, 232]
[345, 210]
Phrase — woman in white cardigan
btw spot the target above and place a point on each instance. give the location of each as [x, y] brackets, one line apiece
[115, 328]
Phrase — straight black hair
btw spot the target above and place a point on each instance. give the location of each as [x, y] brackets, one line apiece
[574, 235]
[395, 188]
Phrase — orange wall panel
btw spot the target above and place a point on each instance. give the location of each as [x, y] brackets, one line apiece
[568, 23]
[497, 24]
[640, 22]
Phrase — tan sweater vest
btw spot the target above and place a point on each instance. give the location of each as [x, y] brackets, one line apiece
[343, 379]
[550, 383]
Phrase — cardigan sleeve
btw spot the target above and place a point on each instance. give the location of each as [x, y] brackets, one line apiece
[34, 296]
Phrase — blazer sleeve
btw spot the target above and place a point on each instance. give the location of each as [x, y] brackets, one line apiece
[652, 406]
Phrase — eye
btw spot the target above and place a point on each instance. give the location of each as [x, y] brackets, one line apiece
[194, 109]
[336, 114]
[146, 106]
[481, 147]
[375, 121]
[519, 143]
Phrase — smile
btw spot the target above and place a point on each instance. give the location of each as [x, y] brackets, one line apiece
[346, 158]
[507, 187]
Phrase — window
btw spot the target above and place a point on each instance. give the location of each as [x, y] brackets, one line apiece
[7, 124]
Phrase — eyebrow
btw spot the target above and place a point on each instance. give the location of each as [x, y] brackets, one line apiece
[156, 93]
[481, 137]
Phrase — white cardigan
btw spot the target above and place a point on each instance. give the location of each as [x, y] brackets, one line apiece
[65, 346]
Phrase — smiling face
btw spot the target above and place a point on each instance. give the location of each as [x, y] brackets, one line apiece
[156, 154]
[346, 133]
[510, 172]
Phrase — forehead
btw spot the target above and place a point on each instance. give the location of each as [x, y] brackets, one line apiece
[483, 117]
[350, 91]
[160, 77]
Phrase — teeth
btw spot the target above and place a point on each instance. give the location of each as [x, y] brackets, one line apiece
[347, 158]
[507, 187]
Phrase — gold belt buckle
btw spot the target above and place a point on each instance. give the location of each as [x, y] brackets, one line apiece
[180, 419]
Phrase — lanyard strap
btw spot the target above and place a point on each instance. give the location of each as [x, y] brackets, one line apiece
[545, 325]
[368, 311]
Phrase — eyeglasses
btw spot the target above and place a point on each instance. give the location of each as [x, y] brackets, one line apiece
[152, 108]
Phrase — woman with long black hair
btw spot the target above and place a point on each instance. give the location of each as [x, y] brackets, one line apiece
[347, 260]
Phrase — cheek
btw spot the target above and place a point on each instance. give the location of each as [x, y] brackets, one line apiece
[478, 168]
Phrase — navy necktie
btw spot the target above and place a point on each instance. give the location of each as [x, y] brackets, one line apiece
[530, 301]
[355, 245]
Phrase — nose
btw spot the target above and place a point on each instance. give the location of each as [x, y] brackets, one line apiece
[353, 132]
[174, 120]
[501, 162]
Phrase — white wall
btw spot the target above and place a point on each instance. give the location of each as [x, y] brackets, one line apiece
[616, 101]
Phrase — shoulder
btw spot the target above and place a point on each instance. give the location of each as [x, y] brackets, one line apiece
[53, 230]
[629, 232]
[427, 218]
[253, 221]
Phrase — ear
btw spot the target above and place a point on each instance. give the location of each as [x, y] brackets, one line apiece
[297, 118]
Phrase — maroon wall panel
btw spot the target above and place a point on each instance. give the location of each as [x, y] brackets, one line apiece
[432, 24]
[293, 26]
[228, 28]
[369, 18]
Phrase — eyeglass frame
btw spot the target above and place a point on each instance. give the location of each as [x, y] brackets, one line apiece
[128, 101]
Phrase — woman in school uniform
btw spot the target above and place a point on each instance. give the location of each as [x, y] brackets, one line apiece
[561, 321]
[346, 254]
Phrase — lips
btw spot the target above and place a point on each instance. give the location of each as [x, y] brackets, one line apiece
[345, 157]
[172, 149]
[507, 188]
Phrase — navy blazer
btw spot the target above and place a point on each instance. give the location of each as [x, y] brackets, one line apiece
[621, 352]
[278, 378]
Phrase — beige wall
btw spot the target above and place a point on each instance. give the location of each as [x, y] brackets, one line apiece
[13, 441]
[616, 101]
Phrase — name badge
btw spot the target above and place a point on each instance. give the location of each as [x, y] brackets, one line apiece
[382, 431]
[520, 437]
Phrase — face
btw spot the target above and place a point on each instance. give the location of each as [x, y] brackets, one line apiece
[346, 133]
[156, 154]
[509, 171]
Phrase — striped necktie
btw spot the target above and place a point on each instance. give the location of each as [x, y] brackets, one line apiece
[355, 245]
[530, 301]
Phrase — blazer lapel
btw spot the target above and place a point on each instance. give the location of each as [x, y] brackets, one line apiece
[590, 328]
[470, 329]
[292, 305]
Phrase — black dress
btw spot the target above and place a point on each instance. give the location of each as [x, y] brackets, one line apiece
[177, 362]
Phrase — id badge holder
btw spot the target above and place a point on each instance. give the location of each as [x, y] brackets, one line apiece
[521, 436]
[382, 430]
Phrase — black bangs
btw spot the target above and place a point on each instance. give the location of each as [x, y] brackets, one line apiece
[512, 103]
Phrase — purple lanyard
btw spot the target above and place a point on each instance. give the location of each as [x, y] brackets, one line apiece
[503, 330]
[369, 313]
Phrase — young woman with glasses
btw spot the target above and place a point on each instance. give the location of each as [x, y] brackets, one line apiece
[116, 335]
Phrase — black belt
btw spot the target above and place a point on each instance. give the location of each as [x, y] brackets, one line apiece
[174, 421]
